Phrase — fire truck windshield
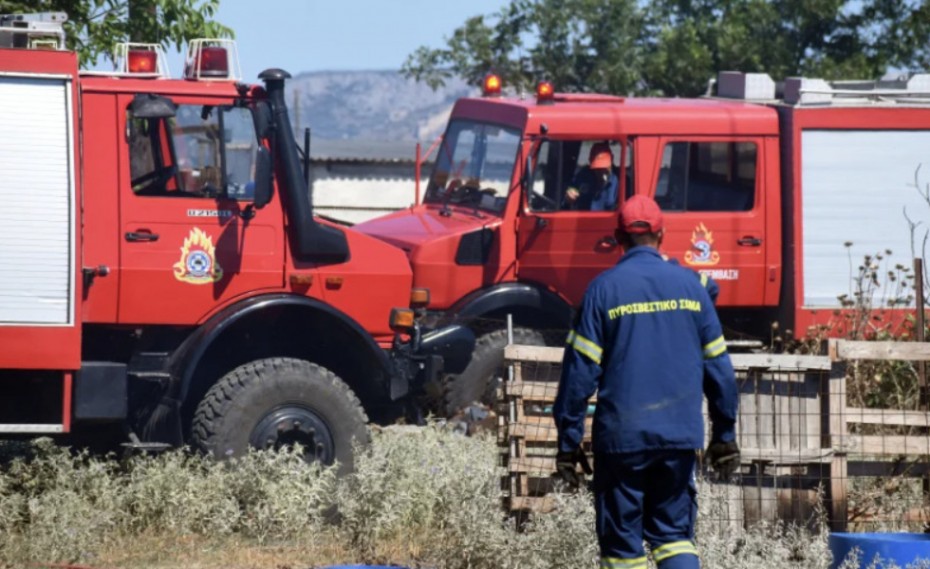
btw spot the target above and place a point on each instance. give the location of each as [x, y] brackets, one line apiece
[474, 166]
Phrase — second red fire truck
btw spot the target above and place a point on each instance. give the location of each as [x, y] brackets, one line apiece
[776, 196]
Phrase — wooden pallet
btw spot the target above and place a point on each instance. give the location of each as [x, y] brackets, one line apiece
[527, 433]
[780, 434]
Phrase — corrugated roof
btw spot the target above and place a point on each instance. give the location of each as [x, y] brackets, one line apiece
[359, 150]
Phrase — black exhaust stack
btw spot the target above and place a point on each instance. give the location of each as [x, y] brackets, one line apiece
[311, 241]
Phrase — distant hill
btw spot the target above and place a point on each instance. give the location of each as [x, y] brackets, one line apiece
[371, 105]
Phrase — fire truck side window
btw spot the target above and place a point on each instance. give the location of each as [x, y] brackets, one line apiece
[151, 167]
[141, 151]
[563, 179]
[204, 151]
[707, 176]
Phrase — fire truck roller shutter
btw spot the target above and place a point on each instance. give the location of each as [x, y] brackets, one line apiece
[856, 187]
[38, 197]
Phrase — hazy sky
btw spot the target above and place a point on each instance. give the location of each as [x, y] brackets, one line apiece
[313, 35]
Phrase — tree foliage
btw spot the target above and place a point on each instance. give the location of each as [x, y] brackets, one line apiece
[673, 47]
[95, 26]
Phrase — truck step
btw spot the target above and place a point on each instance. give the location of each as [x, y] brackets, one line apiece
[32, 428]
[137, 446]
[145, 447]
[161, 378]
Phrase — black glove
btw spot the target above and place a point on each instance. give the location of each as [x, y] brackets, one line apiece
[723, 458]
[566, 463]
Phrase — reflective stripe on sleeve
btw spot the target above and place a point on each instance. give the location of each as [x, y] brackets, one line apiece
[672, 549]
[715, 348]
[703, 280]
[585, 346]
[618, 563]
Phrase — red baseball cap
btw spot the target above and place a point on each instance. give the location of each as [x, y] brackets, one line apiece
[641, 215]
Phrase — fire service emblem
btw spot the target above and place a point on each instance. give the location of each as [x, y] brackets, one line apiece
[198, 260]
[702, 248]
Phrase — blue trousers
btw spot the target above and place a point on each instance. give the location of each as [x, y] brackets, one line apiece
[647, 496]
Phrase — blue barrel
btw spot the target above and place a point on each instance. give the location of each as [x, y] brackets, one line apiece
[902, 548]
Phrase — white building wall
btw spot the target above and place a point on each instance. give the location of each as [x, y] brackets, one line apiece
[361, 191]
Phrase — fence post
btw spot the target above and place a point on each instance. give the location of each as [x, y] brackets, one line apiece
[921, 325]
[833, 437]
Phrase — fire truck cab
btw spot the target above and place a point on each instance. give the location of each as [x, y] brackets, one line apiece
[761, 193]
[162, 269]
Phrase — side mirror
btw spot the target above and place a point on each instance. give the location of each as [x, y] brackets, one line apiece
[264, 186]
[528, 173]
[263, 120]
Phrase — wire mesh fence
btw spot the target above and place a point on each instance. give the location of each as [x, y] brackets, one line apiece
[824, 441]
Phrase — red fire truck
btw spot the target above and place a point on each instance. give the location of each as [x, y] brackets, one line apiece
[777, 198]
[162, 269]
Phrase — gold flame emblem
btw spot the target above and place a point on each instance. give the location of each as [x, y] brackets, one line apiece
[702, 248]
[198, 260]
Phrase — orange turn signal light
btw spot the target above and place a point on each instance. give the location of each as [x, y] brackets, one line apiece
[402, 319]
[419, 297]
[301, 280]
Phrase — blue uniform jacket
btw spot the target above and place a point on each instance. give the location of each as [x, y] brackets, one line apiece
[591, 199]
[648, 341]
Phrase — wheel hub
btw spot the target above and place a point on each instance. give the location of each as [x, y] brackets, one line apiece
[295, 425]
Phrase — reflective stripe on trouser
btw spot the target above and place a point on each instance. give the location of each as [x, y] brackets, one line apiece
[664, 554]
[618, 563]
[625, 517]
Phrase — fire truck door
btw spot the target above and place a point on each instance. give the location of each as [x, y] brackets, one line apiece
[189, 241]
[710, 193]
[566, 230]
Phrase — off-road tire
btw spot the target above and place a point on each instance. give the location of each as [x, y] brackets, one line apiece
[237, 404]
[479, 381]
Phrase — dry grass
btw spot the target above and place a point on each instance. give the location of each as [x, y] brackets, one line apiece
[424, 498]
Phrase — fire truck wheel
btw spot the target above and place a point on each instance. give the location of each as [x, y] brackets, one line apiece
[277, 402]
[479, 381]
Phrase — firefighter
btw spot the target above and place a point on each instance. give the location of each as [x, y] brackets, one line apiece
[645, 339]
[594, 187]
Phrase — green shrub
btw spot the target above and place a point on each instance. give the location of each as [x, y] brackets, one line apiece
[420, 497]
